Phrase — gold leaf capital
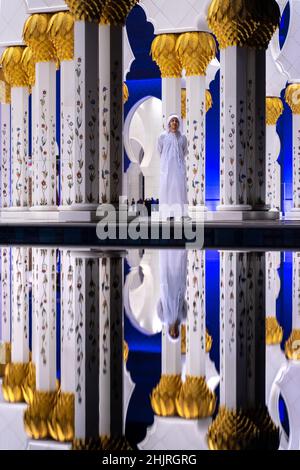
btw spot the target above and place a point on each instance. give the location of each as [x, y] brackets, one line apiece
[195, 50]
[115, 12]
[61, 33]
[243, 23]
[164, 53]
[86, 10]
[14, 73]
[292, 97]
[36, 36]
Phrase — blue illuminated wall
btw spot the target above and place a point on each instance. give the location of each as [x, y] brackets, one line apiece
[144, 80]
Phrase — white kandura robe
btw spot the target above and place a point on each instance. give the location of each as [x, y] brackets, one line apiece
[172, 305]
[173, 148]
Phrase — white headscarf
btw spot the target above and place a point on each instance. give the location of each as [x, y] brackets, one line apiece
[172, 116]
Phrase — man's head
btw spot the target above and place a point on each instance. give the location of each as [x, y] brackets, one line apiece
[173, 123]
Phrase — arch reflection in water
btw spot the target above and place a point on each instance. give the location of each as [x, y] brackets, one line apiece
[67, 304]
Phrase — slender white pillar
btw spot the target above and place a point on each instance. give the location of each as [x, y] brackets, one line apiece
[20, 306]
[292, 97]
[272, 282]
[5, 344]
[242, 329]
[243, 95]
[292, 346]
[111, 346]
[111, 111]
[44, 317]
[44, 202]
[5, 144]
[19, 81]
[61, 33]
[86, 320]
[274, 108]
[165, 55]
[196, 50]
[196, 329]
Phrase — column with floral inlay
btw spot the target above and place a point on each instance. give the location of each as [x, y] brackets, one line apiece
[5, 344]
[17, 371]
[5, 141]
[44, 187]
[243, 421]
[85, 308]
[292, 97]
[86, 131]
[274, 109]
[243, 108]
[196, 50]
[61, 32]
[195, 400]
[292, 346]
[43, 341]
[111, 96]
[111, 428]
[18, 79]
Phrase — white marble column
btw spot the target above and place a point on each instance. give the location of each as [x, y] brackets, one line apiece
[5, 141]
[242, 329]
[111, 112]
[292, 97]
[17, 370]
[61, 32]
[111, 346]
[5, 344]
[292, 346]
[43, 342]
[19, 81]
[273, 146]
[86, 321]
[165, 55]
[196, 329]
[243, 420]
[196, 50]
[44, 202]
[243, 94]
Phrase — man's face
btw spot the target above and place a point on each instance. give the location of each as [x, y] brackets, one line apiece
[174, 125]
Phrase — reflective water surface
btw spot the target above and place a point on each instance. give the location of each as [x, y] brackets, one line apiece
[149, 349]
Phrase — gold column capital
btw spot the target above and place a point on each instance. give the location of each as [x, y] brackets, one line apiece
[15, 376]
[11, 61]
[5, 97]
[115, 12]
[195, 400]
[274, 332]
[62, 421]
[86, 10]
[102, 443]
[38, 412]
[274, 109]
[208, 100]
[125, 93]
[164, 53]
[61, 32]
[28, 65]
[244, 23]
[292, 346]
[36, 36]
[163, 396]
[231, 430]
[195, 50]
[292, 97]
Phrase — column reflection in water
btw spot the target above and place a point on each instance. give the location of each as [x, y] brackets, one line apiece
[182, 408]
[242, 421]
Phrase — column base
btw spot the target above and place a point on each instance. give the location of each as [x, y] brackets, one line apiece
[43, 214]
[198, 213]
[14, 213]
[78, 213]
[243, 215]
[293, 214]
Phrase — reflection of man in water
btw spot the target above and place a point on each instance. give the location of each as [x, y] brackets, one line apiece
[172, 306]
